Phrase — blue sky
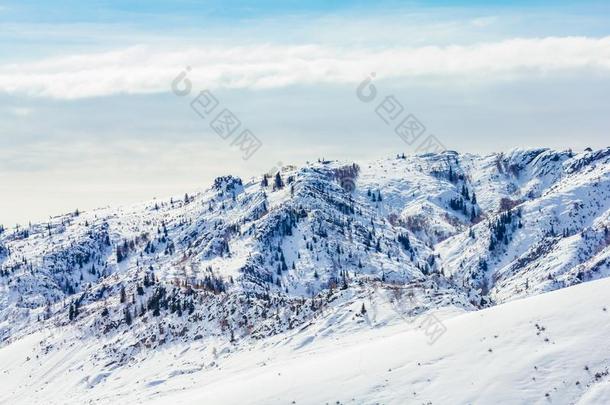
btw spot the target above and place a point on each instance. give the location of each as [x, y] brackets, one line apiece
[87, 116]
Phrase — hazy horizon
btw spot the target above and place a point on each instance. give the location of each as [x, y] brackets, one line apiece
[89, 117]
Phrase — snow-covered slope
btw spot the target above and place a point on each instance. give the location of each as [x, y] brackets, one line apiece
[331, 246]
[555, 234]
[552, 348]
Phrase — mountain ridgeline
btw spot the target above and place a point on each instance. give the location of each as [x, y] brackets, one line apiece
[247, 260]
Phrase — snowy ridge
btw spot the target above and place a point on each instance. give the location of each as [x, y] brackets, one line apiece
[330, 246]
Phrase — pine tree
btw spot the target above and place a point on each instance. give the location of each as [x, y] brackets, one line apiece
[363, 309]
[451, 178]
[278, 183]
[123, 295]
[128, 318]
[465, 192]
[403, 239]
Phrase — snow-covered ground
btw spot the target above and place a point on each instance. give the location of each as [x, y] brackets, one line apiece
[548, 349]
[306, 286]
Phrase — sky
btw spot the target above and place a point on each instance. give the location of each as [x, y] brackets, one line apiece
[94, 112]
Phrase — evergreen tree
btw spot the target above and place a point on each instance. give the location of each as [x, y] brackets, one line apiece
[403, 239]
[278, 183]
[465, 192]
[128, 318]
[123, 295]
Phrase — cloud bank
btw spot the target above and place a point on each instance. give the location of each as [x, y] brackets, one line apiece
[145, 69]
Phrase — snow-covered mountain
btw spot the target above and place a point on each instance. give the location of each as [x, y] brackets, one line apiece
[330, 248]
[547, 349]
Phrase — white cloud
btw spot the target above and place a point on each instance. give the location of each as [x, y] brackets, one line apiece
[150, 70]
